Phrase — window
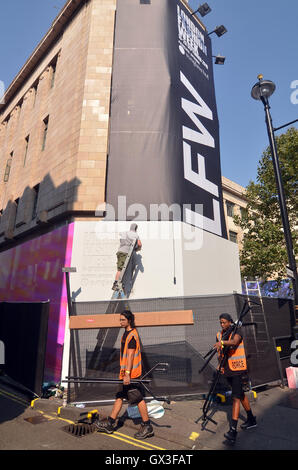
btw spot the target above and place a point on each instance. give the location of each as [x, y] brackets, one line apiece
[232, 236]
[19, 108]
[45, 132]
[243, 212]
[230, 209]
[26, 148]
[53, 68]
[7, 169]
[145, 2]
[35, 93]
[34, 210]
[17, 205]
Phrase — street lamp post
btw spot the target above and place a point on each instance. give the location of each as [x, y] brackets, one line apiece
[262, 91]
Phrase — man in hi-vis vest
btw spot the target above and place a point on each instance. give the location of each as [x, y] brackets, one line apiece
[130, 368]
[233, 368]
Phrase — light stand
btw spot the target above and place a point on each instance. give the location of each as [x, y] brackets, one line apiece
[262, 91]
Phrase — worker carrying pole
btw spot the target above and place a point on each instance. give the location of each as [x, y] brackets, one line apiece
[232, 367]
[130, 368]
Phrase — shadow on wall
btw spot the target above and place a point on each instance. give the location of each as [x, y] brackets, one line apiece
[38, 206]
[131, 274]
[33, 253]
[107, 337]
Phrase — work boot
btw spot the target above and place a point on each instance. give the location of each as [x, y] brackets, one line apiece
[115, 286]
[104, 426]
[249, 423]
[231, 435]
[146, 430]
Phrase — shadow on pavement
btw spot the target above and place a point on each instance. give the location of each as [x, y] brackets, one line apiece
[14, 399]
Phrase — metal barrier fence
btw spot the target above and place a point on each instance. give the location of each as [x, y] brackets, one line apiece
[95, 353]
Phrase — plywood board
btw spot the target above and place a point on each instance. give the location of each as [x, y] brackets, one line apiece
[167, 318]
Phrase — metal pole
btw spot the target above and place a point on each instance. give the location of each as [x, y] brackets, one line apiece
[283, 209]
[285, 125]
[69, 300]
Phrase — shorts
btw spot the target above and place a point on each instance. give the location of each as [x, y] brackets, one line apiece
[124, 389]
[121, 257]
[235, 382]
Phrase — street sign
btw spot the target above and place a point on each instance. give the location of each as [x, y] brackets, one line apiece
[290, 272]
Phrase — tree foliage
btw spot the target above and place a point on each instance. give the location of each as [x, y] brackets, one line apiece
[264, 251]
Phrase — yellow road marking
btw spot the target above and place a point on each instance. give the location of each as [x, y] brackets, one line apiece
[128, 439]
[13, 397]
[129, 442]
[33, 402]
[149, 446]
[19, 400]
[56, 417]
[66, 420]
[137, 440]
[51, 418]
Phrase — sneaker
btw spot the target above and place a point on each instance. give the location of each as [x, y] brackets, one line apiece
[115, 286]
[146, 430]
[231, 435]
[104, 426]
[249, 423]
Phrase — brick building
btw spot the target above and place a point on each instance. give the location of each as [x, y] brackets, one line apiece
[54, 160]
[53, 150]
[234, 204]
[54, 123]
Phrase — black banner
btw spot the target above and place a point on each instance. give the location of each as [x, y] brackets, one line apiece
[164, 136]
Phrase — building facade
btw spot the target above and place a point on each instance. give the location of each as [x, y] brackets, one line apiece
[67, 126]
[53, 151]
[234, 204]
[54, 123]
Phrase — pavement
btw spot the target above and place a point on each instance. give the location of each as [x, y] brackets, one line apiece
[28, 423]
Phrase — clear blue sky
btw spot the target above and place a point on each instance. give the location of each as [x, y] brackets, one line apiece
[262, 38]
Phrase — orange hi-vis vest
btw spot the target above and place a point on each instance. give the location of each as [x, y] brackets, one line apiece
[136, 370]
[236, 357]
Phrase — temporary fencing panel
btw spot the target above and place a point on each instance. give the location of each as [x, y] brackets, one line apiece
[275, 322]
[95, 353]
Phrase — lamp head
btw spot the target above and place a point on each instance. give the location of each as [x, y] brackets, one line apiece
[262, 89]
[204, 9]
[219, 60]
[220, 30]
